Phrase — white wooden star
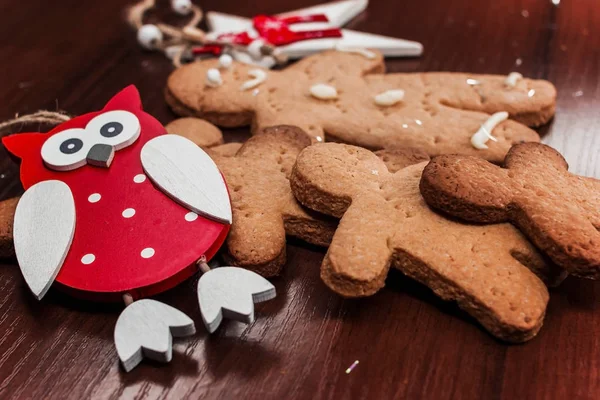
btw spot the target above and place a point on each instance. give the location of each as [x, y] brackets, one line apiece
[338, 14]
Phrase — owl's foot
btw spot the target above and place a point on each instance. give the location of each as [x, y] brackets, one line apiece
[146, 329]
[230, 292]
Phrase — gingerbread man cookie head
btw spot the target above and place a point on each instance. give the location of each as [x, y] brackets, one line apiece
[346, 97]
[114, 205]
[557, 210]
[489, 270]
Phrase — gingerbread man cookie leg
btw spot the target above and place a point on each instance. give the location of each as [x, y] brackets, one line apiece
[385, 222]
[558, 211]
[346, 97]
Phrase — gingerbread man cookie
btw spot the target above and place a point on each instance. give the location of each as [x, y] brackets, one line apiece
[489, 270]
[264, 209]
[557, 210]
[346, 97]
[204, 134]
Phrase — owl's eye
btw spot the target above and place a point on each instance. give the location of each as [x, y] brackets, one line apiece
[111, 129]
[117, 128]
[66, 150]
[71, 146]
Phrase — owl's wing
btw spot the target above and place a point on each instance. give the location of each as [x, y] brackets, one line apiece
[184, 172]
[43, 231]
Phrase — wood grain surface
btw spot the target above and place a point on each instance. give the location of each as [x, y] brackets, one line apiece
[74, 55]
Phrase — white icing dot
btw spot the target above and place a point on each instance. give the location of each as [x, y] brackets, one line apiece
[94, 198]
[88, 259]
[225, 61]
[319, 139]
[147, 252]
[512, 79]
[191, 216]
[418, 121]
[259, 77]
[70, 146]
[479, 139]
[213, 78]
[128, 213]
[472, 82]
[323, 92]
[139, 178]
[389, 98]
[405, 126]
[531, 93]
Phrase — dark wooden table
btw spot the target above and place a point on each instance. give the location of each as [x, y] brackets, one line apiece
[74, 55]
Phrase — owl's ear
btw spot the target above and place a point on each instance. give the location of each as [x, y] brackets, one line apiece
[127, 99]
[23, 144]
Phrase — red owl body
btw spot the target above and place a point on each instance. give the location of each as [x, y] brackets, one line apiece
[130, 237]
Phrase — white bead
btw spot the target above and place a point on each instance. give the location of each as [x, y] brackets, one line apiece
[254, 49]
[181, 7]
[225, 61]
[213, 77]
[323, 92]
[149, 36]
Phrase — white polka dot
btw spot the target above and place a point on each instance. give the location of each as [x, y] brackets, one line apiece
[147, 252]
[94, 198]
[88, 259]
[191, 216]
[128, 213]
[139, 178]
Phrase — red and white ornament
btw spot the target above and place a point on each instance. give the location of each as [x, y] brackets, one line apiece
[299, 33]
[115, 207]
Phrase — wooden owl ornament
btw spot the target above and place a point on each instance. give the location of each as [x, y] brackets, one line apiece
[114, 208]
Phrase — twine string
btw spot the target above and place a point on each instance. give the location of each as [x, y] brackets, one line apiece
[40, 117]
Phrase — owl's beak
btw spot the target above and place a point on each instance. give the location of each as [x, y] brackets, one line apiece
[100, 155]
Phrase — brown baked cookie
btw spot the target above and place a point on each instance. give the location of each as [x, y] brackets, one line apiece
[204, 134]
[397, 159]
[7, 213]
[489, 270]
[557, 210]
[264, 209]
[439, 113]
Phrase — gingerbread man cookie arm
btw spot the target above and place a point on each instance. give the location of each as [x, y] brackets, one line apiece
[325, 179]
[530, 102]
[7, 214]
[467, 187]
